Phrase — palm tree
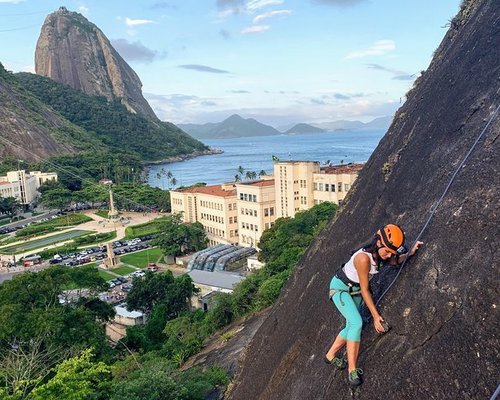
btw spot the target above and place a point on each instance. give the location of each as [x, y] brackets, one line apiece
[173, 181]
[262, 173]
[253, 175]
[237, 178]
[241, 170]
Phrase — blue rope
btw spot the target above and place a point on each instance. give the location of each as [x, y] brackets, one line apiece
[440, 200]
[497, 392]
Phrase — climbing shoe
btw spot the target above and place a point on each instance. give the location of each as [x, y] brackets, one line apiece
[337, 362]
[355, 377]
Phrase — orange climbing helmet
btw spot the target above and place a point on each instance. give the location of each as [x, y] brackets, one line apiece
[392, 238]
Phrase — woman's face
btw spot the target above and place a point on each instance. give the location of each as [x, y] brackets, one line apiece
[383, 252]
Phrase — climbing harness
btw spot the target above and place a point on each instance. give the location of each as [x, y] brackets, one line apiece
[440, 200]
[331, 292]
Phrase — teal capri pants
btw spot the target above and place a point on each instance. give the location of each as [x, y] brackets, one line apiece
[349, 306]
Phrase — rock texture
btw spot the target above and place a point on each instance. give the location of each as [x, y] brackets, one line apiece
[29, 130]
[444, 307]
[74, 51]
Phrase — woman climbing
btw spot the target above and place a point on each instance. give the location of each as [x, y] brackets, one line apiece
[350, 285]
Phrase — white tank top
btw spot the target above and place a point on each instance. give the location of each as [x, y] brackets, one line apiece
[350, 269]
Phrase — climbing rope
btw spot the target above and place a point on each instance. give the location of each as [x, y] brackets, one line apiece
[497, 392]
[440, 200]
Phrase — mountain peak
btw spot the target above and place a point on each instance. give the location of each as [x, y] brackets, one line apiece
[74, 51]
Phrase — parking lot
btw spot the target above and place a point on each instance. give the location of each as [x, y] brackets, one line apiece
[93, 254]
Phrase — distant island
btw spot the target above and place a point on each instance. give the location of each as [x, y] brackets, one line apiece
[232, 127]
[303, 128]
[237, 126]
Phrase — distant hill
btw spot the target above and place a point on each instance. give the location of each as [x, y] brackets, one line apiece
[72, 50]
[381, 123]
[234, 126]
[110, 122]
[303, 128]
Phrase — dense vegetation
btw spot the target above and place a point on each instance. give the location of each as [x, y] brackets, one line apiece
[127, 196]
[144, 365]
[116, 127]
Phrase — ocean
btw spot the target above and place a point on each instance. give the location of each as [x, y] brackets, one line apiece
[256, 154]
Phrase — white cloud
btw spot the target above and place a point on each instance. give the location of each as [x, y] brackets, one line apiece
[253, 5]
[136, 22]
[270, 14]
[12, 1]
[255, 29]
[84, 10]
[380, 47]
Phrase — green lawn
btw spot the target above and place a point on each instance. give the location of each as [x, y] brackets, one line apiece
[123, 270]
[140, 259]
[102, 213]
[51, 225]
[46, 241]
[106, 275]
[149, 228]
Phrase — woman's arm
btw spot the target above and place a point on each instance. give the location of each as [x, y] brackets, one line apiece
[362, 264]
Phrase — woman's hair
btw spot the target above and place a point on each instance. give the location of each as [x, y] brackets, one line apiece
[371, 247]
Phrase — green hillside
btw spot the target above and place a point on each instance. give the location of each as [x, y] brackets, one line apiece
[111, 122]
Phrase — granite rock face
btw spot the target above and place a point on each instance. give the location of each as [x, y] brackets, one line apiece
[29, 130]
[74, 51]
[444, 307]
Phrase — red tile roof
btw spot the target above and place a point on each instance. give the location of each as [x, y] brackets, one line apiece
[214, 190]
[263, 182]
[342, 169]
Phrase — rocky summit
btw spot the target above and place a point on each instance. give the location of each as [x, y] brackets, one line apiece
[73, 51]
[444, 306]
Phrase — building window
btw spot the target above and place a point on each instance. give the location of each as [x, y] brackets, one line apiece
[346, 187]
[271, 211]
[315, 186]
[320, 187]
[235, 219]
[266, 212]
[339, 186]
[327, 187]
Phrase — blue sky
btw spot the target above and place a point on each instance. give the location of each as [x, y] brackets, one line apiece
[279, 61]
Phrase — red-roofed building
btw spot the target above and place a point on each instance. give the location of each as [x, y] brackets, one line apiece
[256, 209]
[302, 184]
[213, 206]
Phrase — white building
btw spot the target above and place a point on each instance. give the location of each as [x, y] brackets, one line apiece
[24, 186]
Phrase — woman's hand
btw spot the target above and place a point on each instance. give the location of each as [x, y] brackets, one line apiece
[378, 324]
[416, 247]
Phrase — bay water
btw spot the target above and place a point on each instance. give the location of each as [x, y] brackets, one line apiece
[256, 154]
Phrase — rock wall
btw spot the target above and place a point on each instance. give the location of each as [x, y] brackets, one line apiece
[444, 308]
[29, 130]
[74, 51]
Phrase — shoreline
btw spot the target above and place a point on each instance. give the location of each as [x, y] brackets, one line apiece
[184, 157]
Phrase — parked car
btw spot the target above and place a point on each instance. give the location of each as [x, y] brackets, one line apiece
[152, 267]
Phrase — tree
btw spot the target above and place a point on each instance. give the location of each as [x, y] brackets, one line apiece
[55, 195]
[9, 205]
[262, 173]
[177, 238]
[76, 378]
[161, 288]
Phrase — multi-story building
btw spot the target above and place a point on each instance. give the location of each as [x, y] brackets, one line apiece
[238, 213]
[332, 183]
[23, 186]
[302, 184]
[256, 209]
[213, 206]
[294, 186]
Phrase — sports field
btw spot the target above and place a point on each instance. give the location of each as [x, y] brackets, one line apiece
[46, 241]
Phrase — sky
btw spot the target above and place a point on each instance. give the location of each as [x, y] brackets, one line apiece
[279, 61]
